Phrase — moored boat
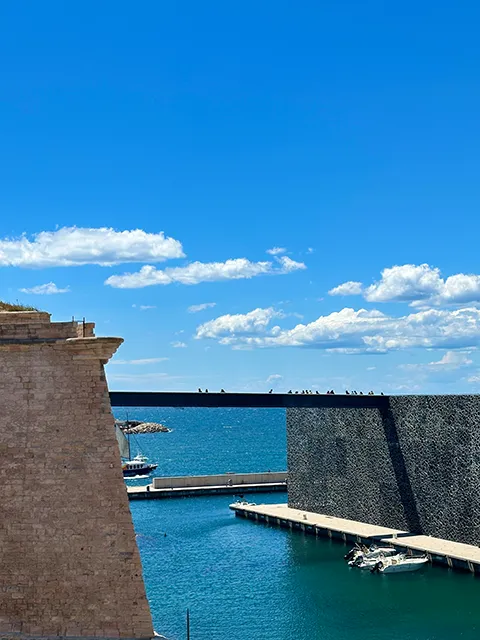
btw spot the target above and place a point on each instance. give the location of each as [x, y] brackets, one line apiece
[373, 551]
[399, 564]
[360, 562]
[139, 465]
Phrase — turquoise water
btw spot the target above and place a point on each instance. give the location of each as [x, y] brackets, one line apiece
[205, 441]
[243, 580]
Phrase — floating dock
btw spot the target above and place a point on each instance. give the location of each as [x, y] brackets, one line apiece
[455, 555]
[221, 484]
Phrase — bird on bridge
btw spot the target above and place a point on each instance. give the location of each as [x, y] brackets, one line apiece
[271, 391]
[222, 390]
[199, 390]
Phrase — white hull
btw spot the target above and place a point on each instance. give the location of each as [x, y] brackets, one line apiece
[367, 553]
[398, 564]
[357, 555]
[403, 565]
[369, 563]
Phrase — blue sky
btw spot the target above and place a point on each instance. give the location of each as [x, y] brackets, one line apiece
[180, 142]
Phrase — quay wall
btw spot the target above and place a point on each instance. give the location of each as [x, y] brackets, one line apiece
[411, 463]
[69, 564]
[217, 480]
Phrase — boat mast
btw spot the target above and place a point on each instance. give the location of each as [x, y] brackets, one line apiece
[128, 438]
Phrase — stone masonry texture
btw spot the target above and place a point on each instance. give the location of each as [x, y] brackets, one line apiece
[412, 463]
[69, 564]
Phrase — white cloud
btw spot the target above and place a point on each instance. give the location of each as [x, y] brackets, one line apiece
[408, 388]
[418, 285]
[196, 272]
[46, 289]
[459, 289]
[228, 326]
[275, 251]
[445, 370]
[347, 289]
[144, 381]
[310, 250]
[452, 359]
[74, 246]
[406, 283]
[275, 377]
[195, 308]
[179, 345]
[144, 307]
[142, 361]
[449, 361]
[474, 379]
[350, 331]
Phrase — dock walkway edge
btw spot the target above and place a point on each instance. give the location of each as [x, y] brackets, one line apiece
[454, 555]
[219, 484]
[150, 493]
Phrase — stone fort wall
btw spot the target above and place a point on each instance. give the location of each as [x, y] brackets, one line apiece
[412, 463]
[69, 564]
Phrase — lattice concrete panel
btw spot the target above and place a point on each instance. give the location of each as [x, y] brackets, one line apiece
[413, 464]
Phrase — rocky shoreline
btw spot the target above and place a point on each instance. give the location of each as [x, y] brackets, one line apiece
[136, 427]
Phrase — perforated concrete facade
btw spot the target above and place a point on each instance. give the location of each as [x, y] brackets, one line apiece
[412, 463]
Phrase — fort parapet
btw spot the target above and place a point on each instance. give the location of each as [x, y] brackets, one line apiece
[69, 564]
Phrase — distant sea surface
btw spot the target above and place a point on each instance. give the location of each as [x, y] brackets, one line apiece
[208, 441]
[246, 581]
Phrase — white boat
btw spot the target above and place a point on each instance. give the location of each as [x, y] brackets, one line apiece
[138, 466]
[360, 562]
[369, 552]
[243, 503]
[399, 564]
[131, 468]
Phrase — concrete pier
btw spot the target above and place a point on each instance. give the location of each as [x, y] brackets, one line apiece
[221, 484]
[455, 555]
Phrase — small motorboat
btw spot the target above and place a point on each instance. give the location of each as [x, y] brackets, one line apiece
[399, 564]
[373, 551]
[243, 503]
[360, 562]
[138, 467]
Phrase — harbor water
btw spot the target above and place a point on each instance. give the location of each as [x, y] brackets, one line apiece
[243, 580]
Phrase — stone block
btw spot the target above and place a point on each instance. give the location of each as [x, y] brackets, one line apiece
[69, 562]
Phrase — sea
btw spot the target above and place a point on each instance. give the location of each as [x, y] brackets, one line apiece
[246, 581]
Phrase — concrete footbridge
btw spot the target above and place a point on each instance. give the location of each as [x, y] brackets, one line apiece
[253, 400]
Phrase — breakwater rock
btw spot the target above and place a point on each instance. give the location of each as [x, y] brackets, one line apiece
[135, 427]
